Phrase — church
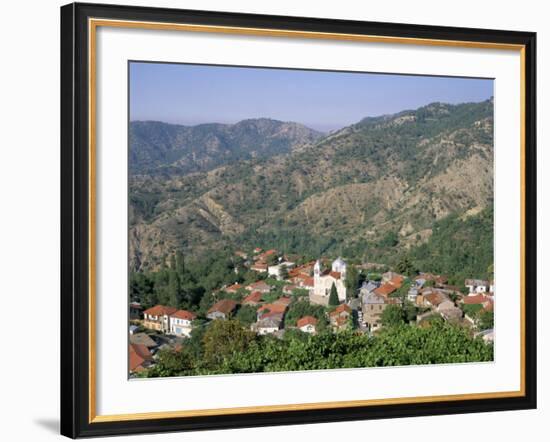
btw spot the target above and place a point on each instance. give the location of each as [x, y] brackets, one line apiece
[323, 280]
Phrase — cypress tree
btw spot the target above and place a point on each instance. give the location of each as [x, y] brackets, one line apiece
[333, 298]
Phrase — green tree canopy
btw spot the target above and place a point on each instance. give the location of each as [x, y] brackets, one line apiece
[333, 297]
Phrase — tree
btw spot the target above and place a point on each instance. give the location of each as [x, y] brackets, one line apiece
[392, 315]
[333, 297]
[283, 272]
[180, 263]
[486, 320]
[406, 267]
[223, 339]
[352, 282]
[246, 315]
[173, 289]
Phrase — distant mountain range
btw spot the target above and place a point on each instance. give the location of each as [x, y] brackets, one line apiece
[170, 149]
[362, 190]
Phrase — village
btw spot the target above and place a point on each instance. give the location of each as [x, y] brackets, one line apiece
[314, 297]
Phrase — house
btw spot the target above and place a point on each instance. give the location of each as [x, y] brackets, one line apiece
[385, 290]
[222, 309]
[259, 286]
[433, 298]
[241, 254]
[307, 324]
[397, 281]
[260, 267]
[135, 310]
[180, 323]
[367, 287]
[323, 282]
[139, 358]
[255, 298]
[158, 318]
[143, 339]
[485, 300]
[450, 313]
[133, 329]
[284, 300]
[269, 309]
[477, 285]
[339, 317]
[262, 257]
[289, 289]
[277, 269]
[386, 277]
[233, 288]
[488, 335]
[413, 293]
[373, 306]
[439, 280]
[268, 325]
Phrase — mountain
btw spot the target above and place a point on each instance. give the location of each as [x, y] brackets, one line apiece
[170, 149]
[370, 189]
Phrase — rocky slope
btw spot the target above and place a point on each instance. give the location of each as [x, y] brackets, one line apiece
[383, 180]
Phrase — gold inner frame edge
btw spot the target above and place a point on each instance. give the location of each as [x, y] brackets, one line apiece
[93, 24]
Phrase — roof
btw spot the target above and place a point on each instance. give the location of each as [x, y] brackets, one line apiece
[272, 321]
[223, 306]
[258, 285]
[138, 354]
[308, 282]
[306, 320]
[475, 299]
[253, 298]
[160, 310]
[341, 309]
[396, 281]
[259, 266]
[285, 300]
[476, 282]
[233, 288]
[142, 339]
[435, 298]
[384, 290]
[184, 314]
[373, 298]
[136, 305]
[335, 275]
[269, 309]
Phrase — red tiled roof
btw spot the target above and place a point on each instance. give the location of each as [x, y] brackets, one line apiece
[341, 309]
[233, 288]
[335, 275]
[308, 282]
[306, 320]
[258, 285]
[434, 298]
[284, 300]
[475, 299]
[184, 314]
[396, 281]
[223, 306]
[160, 310]
[253, 298]
[385, 290]
[272, 308]
[138, 354]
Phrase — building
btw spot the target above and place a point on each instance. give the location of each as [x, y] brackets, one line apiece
[233, 288]
[277, 269]
[255, 298]
[143, 339]
[270, 309]
[373, 306]
[385, 290]
[139, 358]
[158, 318]
[259, 286]
[477, 285]
[284, 300]
[307, 324]
[323, 281]
[180, 323]
[259, 267]
[269, 324]
[340, 316]
[222, 309]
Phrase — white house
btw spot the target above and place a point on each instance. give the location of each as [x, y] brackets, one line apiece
[180, 323]
[275, 270]
[268, 325]
[477, 285]
[308, 324]
[323, 281]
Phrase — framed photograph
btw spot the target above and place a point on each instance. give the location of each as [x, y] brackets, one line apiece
[274, 220]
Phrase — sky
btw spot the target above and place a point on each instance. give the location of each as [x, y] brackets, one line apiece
[322, 100]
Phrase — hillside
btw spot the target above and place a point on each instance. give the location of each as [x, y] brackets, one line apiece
[369, 190]
[170, 149]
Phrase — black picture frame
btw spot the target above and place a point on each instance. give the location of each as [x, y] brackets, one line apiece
[75, 221]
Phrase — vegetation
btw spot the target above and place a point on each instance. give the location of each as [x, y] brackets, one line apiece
[230, 349]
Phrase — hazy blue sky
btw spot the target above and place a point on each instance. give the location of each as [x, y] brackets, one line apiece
[192, 94]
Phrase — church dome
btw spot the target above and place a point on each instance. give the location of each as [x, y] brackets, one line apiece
[339, 265]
